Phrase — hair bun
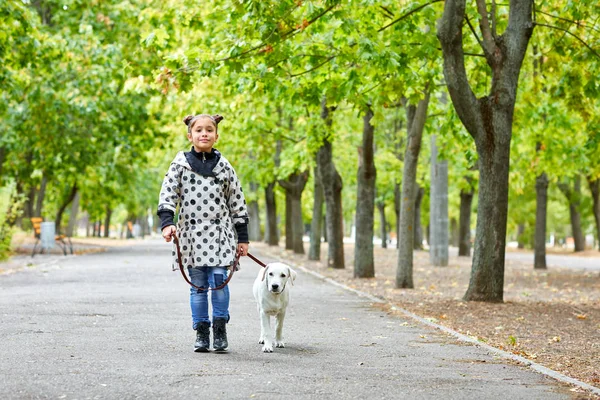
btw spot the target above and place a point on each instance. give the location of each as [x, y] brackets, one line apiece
[218, 118]
[187, 119]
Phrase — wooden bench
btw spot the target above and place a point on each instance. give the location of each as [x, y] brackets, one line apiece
[62, 240]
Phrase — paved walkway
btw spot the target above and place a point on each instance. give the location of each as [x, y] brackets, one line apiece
[573, 261]
[116, 325]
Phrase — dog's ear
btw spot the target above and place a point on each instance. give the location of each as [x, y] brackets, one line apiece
[292, 275]
[264, 273]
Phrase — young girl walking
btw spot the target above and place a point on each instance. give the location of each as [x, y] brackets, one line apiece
[212, 213]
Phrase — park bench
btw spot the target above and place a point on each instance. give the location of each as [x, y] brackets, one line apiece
[63, 241]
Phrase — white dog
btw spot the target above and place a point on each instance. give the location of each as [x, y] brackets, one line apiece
[272, 294]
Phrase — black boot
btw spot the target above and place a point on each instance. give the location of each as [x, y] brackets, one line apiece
[220, 334]
[202, 337]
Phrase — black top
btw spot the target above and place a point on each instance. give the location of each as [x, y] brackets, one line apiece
[203, 163]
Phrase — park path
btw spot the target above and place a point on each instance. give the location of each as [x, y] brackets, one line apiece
[591, 263]
[117, 325]
[557, 260]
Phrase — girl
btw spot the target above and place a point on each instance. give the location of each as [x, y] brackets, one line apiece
[212, 210]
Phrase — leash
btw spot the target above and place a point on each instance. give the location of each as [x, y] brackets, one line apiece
[233, 268]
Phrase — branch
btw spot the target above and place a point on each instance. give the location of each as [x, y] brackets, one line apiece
[313, 68]
[284, 36]
[572, 34]
[489, 44]
[449, 33]
[297, 56]
[579, 25]
[389, 13]
[474, 32]
[308, 23]
[494, 32]
[475, 55]
[371, 88]
[414, 10]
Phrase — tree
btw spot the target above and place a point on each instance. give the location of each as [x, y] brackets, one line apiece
[488, 120]
[573, 196]
[364, 264]
[316, 226]
[438, 204]
[332, 190]
[416, 116]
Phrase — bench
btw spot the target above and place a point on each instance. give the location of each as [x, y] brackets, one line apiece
[63, 241]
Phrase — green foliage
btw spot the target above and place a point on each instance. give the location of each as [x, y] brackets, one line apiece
[11, 211]
[94, 93]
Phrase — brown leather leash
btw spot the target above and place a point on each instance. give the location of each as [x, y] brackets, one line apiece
[233, 268]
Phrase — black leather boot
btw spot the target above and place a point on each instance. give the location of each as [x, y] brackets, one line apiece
[202, 337]
[220, 334]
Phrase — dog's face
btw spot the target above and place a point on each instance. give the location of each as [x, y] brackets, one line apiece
[276, 276]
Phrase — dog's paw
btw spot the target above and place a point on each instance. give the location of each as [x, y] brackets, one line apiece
[279, 343]
[267, 349]
[261, 341]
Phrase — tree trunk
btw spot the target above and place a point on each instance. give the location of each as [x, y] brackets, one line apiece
[464, 228]
[2, 158]
[487, 272]
[39, 201]
[28, 207]
[298, 223]
[107, 221]
[404, 272]
[489, 121]
[453, 232]
[86, 220]
[364, 264]
[520, 236]
[332, 190]
[253, 215]
[418, 239]
[383, 223]
[44, 10]
[63, 207]
[397, 202]
[271, 232]
[71, 227]
[541, 199]
[272, 238]
[438, 209]
[574, 198]
[316, 226]
[595, 190]
[294, 225]
[289, 224]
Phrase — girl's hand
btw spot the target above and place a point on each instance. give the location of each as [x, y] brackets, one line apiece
[168, 232]
[242, 249]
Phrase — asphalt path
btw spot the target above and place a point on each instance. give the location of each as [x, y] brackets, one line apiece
[552, 260]
[117, 325]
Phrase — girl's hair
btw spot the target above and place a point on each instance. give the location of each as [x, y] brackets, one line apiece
[190, 119]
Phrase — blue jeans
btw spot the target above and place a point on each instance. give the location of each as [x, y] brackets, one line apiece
[205, 277]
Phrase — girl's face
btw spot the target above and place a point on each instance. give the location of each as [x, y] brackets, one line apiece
[203, 135]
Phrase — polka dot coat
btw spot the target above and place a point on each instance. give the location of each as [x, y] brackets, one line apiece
[209, 206]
